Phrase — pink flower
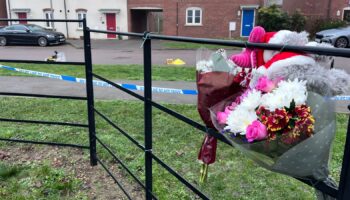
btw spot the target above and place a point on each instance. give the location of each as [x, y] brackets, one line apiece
[265, 85]
[221, 117]
[256, 131]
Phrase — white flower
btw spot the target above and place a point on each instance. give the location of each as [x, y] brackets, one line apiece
[283, 95]
[252, 100]
[239, 119]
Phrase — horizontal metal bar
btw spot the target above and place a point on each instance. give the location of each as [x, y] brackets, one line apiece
[192, 123]
[45, 143]
[119, 87]
[120, 130]
[117, 33]
[308, 49]
[320, 185]
[41, 96]
[41, 20]
[44, 122]
[113, 177]
[124, 166]
[42, 62]
[180, 178]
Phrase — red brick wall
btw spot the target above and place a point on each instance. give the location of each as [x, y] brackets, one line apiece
[338, 5]
[3, 12]
[216, 15]
[317, 8]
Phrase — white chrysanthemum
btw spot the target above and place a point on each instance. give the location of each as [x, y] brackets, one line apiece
[283, 95]
[239, 119]
[251, 101]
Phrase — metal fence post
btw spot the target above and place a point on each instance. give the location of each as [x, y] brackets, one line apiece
[90, 94]
[147, 58]
[344, 184]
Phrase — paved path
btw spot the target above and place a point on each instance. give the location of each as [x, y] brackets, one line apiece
[39, 85]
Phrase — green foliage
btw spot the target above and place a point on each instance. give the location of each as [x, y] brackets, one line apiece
[297, 21]
[273, 18]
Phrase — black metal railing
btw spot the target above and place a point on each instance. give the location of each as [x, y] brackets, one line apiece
[343, 192]
[85, 126]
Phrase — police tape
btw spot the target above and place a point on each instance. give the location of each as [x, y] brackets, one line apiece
[126, 86]
[101, 83]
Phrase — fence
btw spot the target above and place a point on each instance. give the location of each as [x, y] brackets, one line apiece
[342, 192]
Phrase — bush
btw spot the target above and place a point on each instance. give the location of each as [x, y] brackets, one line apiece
[273, 19]
[297, 21]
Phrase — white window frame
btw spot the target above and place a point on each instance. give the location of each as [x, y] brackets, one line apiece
[193, 23]
[83, 13]
[48, 15]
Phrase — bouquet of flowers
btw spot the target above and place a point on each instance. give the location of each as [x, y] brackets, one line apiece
[216, 80]
[282, 116]
[281, 126]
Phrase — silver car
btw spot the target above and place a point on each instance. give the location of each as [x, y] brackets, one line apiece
[339, 37]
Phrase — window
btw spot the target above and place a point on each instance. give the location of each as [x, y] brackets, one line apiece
[194, 16]
[81, 15]
[16, 28]
[49, 15]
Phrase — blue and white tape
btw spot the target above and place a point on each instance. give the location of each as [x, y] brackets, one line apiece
[127, 86]
[100, 83]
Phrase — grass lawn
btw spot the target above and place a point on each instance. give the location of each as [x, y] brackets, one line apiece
[114, 72]
[189, 46]
[30, 181]
[233, 176]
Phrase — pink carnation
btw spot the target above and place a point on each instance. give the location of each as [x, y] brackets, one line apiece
[265, 85]
[221, 117]
[256, 131]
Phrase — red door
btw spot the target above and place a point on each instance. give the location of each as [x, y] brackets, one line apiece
[111, 24]
[22, 16]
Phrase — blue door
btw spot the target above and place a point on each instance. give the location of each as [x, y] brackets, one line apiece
[247, 22]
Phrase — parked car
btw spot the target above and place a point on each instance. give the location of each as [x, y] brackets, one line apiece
[29, 34]
[339, 37]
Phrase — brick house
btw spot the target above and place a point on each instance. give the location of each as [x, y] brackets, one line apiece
[3, 12]
[316, 9]
[104, 15]
[195, 18]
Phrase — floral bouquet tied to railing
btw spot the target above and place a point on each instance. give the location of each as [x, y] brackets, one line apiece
[215, 82]
[279, 110]
[281, 126]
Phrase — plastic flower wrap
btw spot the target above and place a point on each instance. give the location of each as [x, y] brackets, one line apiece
[215, 82]
[280, 125]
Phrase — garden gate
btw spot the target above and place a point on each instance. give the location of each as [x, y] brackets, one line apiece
[342, 192]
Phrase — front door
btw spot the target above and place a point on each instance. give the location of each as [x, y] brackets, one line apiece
[247, 22]
[111, 24]
[22, 15]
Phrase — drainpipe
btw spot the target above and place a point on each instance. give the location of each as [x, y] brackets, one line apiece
[53, 23]
[9, 11]
[177, 18]
[329, 9]
[65, 17]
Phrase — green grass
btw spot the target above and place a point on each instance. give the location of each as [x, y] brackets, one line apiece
[194, 46]
[32, 182]
[233, 176]
[114, 72]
